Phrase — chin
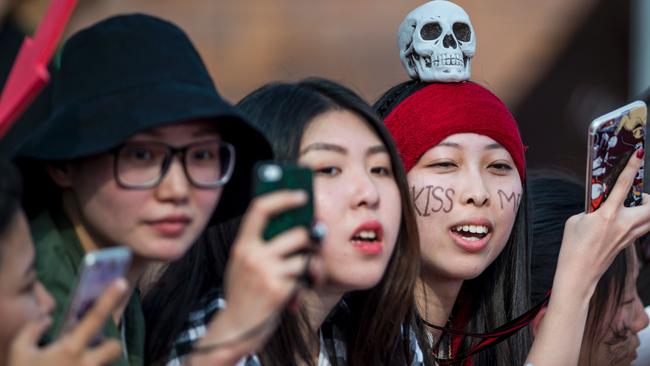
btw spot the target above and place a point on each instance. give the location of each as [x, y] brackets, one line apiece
[164, 250]
[357, 281]
[456, 270]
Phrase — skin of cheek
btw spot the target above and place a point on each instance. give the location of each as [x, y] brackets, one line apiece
[115, 216]
[347, 269]
[18, 306]
[431, 199]
[510, 199]
[437, 207]
[615, 347]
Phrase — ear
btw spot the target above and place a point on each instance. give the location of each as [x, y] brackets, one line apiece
[537, 321]
[60, 174]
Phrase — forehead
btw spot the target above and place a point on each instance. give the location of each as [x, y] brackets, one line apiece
[470, 140]
[341, 127]
[468, 143]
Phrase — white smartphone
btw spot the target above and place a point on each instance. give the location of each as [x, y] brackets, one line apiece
[98, 270]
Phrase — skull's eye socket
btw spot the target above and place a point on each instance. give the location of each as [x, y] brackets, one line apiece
[462, 32]
[431, 31]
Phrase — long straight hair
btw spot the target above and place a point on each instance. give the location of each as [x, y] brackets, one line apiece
[501, 292]
[283, 111]
[377, 332]
[555, 197]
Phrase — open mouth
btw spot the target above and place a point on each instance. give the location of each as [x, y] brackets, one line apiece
[368, 238]
[471, 232]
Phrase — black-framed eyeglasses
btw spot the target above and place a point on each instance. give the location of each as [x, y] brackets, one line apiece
[207, 164]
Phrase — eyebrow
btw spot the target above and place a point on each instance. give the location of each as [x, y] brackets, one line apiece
[450, 144]
[150, 133]
[206, 130]
[494, 146]
[377, 150]
[322, 146]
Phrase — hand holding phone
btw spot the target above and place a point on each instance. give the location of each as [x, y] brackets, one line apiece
[74, 348]
[98, 270]
[613, 138]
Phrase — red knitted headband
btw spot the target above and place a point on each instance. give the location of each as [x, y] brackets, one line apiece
[437, 111]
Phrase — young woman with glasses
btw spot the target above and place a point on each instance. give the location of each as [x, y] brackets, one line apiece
[139, 151]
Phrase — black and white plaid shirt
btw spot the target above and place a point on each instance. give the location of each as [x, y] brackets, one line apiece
[198, 320]
[332, 340]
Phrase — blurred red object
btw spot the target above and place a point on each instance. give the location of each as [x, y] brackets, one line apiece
[29, 73]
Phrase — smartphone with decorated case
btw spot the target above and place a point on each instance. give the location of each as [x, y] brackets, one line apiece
[97, 271]
[613, 138]
[272, 176]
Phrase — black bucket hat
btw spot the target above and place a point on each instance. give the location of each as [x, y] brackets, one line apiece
[130, 73]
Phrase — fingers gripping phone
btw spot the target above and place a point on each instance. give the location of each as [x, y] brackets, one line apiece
[98, 270]
[269, 177]
[613, 138]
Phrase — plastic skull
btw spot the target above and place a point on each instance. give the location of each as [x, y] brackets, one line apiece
[437, 42]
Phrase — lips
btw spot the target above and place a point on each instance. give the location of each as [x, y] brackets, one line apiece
[172, 225]
[472, 235]
[368, 238]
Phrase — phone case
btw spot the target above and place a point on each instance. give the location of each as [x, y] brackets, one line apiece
[273, 176]
[613, 138]
[98, 270]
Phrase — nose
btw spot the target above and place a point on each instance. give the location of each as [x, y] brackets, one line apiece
[449, 41]
[473, 190]
[641, 319]
[45, 300]
[365, 192]
[175, 185]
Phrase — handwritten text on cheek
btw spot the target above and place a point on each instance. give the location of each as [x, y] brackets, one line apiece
[509, 199]
[431, 199]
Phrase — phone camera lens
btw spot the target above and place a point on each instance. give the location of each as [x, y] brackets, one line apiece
[271, 173]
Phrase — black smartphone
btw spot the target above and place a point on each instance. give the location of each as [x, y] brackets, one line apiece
[98, 270]
[271, 176]
[613, 138]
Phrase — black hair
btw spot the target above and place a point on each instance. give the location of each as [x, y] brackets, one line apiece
[555, 197]
[10, 192]
[181, 285]
[283, 111]
[270, 107]
[501, 292]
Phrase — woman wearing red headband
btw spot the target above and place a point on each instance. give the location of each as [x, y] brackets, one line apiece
[465, 165]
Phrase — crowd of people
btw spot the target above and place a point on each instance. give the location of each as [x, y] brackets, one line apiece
[440, 247]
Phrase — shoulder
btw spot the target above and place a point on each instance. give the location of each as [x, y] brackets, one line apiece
[57, 262]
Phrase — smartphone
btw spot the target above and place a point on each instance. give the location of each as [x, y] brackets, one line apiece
[271, 176]
[98, 270]
[613, 138]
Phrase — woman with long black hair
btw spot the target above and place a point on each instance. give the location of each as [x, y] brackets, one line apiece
[465, 164]
[362, 314]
